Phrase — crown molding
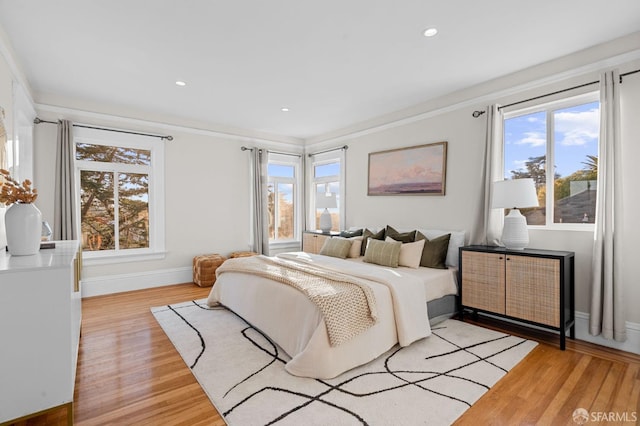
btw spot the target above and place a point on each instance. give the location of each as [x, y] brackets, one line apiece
[486, 98]
[79, 114]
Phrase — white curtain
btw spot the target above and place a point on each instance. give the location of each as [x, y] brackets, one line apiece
[260, 218]
[65, 225]
[607, 315]
[3, 165]
[487, 229]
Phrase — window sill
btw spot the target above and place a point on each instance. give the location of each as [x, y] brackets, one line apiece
[93, 258]
[564, 227]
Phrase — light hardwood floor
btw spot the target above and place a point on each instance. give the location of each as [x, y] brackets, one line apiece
[129, 373]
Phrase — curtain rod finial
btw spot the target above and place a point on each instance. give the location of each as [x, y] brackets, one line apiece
[477, 114]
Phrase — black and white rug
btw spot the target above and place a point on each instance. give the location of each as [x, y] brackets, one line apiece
[432, 381]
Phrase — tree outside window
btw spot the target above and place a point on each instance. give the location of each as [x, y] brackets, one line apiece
[565, 135]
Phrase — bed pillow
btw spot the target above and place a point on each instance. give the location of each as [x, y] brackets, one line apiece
[456, 241]
[351, 233]
[356, 245]
[383, 253]
[434, 253]
[403, 237]
[367, 235]
[336, 247]
[410, 253]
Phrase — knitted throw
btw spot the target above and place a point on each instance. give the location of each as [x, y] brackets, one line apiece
[346, 302]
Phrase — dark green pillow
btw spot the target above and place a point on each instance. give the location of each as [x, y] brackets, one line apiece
[403, 237]
[351, 234]
[434, 253]
[366, 235]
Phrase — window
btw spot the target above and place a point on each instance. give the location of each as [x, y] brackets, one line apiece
[327, 177]
[120, 192]
[283, 197]
[563, 134]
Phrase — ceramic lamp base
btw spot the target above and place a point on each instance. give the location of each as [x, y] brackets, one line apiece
[515, 235]
[325, 221]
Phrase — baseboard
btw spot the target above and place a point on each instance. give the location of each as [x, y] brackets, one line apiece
[97, 286]
[632, 344]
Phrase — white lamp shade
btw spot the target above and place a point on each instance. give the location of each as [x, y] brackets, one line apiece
[516, 193]
[326, 201]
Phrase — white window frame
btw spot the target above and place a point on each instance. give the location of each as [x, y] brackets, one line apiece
[335, 156]
[549, 108]
[295, 161]
[155, 171]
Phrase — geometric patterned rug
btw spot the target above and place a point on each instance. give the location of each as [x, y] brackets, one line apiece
[432, 381]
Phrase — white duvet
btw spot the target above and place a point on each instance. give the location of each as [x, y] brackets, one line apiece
[295, 324]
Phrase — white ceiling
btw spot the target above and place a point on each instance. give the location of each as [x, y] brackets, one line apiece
[332, 62]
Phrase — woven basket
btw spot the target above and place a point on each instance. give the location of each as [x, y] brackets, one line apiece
[204, 269]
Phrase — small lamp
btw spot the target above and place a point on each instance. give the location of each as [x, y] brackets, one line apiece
[326, 202]
[515, 194]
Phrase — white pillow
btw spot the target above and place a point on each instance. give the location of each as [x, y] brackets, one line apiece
[356, 245]
[410, 253]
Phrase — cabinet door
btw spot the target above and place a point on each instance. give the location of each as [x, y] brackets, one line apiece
[308, 242]
[483, 281]
[312, 243]
[533, 289]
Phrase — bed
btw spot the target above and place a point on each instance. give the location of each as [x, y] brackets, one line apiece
[407, 300]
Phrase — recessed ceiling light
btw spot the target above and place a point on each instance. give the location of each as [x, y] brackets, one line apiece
[180, 83]
[430, 32]
[284, 109]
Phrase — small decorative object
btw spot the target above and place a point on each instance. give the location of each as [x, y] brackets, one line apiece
[514, 194]
[23, 220]
[46, 231]
[326, 201]
[417, 170]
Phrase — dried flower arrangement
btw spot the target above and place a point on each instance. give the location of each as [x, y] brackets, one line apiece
[14, 192]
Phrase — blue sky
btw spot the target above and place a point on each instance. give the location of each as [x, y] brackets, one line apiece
[576, 136]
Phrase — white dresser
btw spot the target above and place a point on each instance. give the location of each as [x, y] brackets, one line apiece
[40, 313]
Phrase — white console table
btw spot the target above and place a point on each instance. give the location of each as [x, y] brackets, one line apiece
[40, 313]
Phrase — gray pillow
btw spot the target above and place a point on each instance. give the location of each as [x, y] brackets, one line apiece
[351, 234]
[336, 247]
[383, 253]
[434, 253]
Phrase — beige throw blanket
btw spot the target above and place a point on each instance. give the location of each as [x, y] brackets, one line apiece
[346, 302]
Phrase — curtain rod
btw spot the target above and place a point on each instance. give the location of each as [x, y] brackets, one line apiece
[344, 147]
[169, 137]
[477, 114]
[244, 148]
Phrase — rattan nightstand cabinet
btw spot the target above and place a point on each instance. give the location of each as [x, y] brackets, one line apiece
[312, 241]
[483, 281]
[532, 286]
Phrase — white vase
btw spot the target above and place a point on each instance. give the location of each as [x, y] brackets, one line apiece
[23, 223]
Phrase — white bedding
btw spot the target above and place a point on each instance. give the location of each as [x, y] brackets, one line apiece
[293, 322]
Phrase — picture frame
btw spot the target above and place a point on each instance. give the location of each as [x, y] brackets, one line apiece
[415, 170]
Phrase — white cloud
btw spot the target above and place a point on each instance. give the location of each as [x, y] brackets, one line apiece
[532, 139]
[577, 128]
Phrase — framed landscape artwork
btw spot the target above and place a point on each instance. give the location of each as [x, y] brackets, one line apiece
[416, 170]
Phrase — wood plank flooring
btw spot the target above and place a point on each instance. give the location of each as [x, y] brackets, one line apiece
[130, 374]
